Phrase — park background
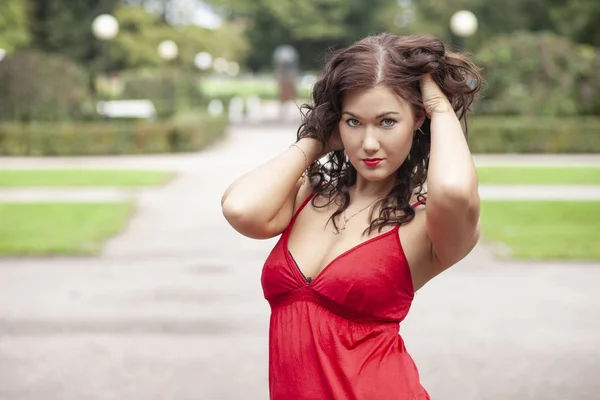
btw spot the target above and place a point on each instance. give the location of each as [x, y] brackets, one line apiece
[122, 122]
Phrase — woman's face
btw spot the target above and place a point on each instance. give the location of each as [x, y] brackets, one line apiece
[377, 128]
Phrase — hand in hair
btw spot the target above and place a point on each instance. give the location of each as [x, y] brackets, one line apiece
[333, 143]
[434, 100]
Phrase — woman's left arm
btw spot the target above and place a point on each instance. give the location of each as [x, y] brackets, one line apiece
[452, 211]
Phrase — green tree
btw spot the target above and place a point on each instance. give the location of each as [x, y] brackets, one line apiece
[539, 74]
[577, 19]
[494, 17]
[64, 26]
[141, 32]
[313, 27]
[13, 25]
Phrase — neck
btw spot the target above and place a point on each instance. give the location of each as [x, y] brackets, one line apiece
[372, 190]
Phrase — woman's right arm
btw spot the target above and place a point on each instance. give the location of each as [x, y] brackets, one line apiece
[260, 204]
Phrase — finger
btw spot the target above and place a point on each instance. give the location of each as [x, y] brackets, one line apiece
[428, 82]
[426, 79]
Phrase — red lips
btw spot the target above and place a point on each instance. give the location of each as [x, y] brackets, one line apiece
[372, 162]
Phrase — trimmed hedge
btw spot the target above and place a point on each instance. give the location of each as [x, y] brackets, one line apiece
[534, 135]
[486, 135]
[98, 138]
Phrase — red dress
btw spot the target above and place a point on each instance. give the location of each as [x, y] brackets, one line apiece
[337, 336]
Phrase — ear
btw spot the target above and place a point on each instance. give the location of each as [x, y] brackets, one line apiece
[419, 118]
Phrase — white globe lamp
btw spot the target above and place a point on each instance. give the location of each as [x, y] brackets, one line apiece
[168, 50]
[463, 23]
[285, 55]
[105, 27]
[203, 61]
[221, 65]
[233, 69]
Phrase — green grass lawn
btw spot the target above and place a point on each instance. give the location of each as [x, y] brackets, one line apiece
[539, 175]
[81, 178]
[544, 230]
[59, 228]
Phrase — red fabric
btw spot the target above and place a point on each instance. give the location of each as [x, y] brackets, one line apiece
[337, 336]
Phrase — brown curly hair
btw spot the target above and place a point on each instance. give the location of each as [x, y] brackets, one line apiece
[399, 62]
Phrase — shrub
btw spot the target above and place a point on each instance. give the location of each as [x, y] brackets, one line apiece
[97, 138]
[539, 74]
[42, 87]
[534, 135]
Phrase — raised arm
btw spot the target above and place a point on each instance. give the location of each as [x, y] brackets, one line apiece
[452, 198]
[260, 204]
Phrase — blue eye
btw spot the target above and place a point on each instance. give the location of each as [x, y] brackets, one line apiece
[388, 122]
[352, 122]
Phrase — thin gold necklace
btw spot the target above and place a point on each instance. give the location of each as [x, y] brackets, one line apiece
[337, 231]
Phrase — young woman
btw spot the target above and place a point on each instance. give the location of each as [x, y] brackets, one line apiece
[358, 235]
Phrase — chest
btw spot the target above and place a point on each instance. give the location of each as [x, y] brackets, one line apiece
[315, 243]
[370, 280]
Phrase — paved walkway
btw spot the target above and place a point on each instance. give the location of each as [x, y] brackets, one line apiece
[173, 308]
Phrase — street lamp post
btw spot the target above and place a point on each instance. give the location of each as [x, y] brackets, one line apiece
[463, 24]
[105, 28]
[168, 51]
[204, 62]
[285, 58]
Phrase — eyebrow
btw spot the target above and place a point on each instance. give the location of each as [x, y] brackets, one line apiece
[377, 117]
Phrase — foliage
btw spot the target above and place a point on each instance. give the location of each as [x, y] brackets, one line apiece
[67, 139]
[532, 73]
[312, 27]
[494, 17]
[486, 135]
[534, 135]
[590, 86]
[43, 87]
[577, 19]
[64, 26]
[140, 33]
[538, 74]
[13, 25]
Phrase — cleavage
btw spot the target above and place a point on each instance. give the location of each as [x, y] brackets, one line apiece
[305, 248]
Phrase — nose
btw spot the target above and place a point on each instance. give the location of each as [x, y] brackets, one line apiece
[370, 143]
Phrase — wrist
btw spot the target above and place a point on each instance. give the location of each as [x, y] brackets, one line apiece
[440, 107]
[312, 148]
